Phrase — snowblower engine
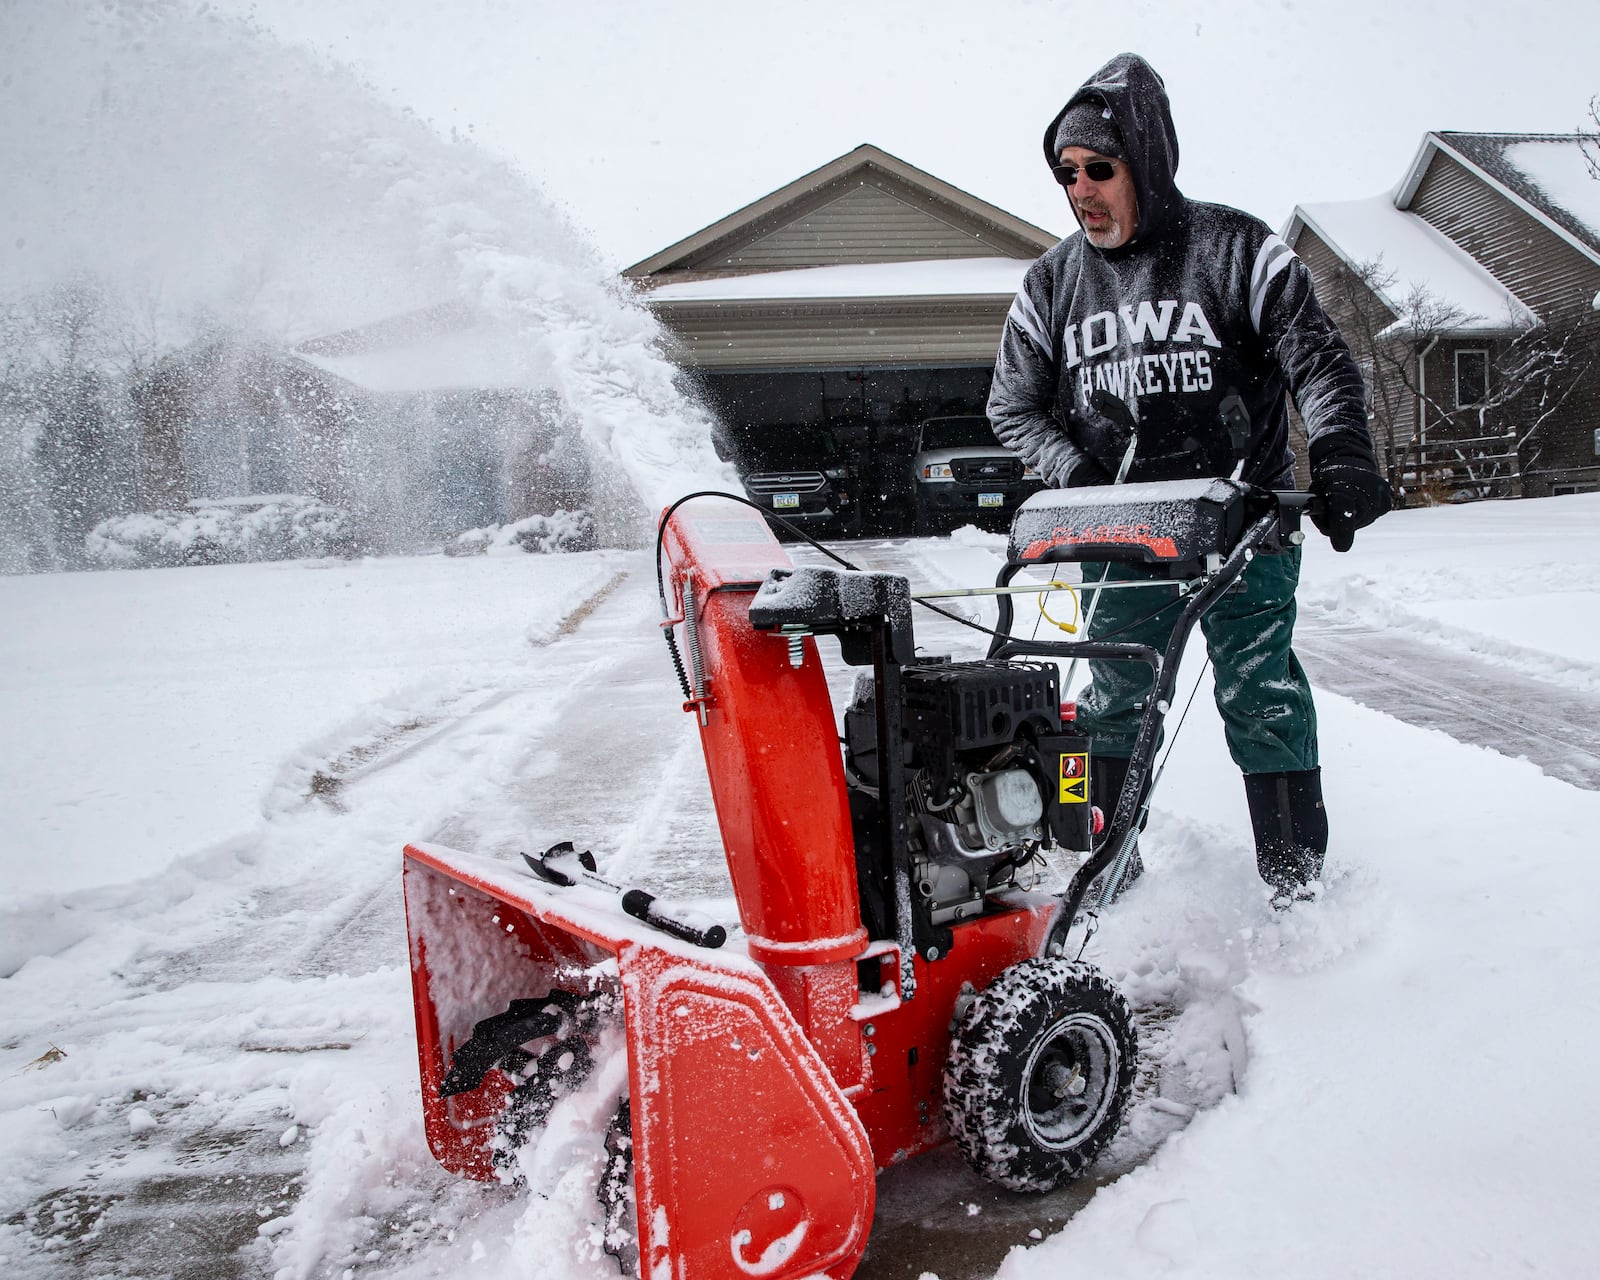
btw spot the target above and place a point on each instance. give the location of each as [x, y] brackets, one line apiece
[987, 772]
[990, 776]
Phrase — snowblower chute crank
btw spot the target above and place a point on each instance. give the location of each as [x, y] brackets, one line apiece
[896, 982]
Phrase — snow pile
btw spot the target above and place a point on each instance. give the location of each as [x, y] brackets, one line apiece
[234, 531]
[173, 713]
[559, 531]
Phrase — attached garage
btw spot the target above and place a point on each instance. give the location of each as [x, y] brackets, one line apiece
[843, 310]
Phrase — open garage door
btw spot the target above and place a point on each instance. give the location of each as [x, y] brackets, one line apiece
[850, 431]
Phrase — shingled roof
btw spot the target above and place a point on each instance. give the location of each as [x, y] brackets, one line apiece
[1551, 175]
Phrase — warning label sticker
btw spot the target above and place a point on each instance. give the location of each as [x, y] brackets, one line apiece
[1075, 779]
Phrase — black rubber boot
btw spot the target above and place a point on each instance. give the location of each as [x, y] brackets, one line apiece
[1291, 829]
[1106, 776]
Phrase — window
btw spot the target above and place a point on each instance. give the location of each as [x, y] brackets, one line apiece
[1472, 378]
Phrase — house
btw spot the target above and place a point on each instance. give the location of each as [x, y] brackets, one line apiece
[1470, 295]
[424, 424]
[857, 300]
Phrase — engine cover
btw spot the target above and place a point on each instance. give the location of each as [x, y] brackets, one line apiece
[958, 707]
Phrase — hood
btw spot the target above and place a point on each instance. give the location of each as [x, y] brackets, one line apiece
[1138, 100]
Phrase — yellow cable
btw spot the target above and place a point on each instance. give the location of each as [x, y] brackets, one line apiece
[1071, 628]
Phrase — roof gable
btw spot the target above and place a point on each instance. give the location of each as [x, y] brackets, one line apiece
[866, 206]
[1543, 174]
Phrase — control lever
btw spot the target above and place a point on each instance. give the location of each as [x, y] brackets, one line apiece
[1236, 422]
[562, 865]
[1108, 406]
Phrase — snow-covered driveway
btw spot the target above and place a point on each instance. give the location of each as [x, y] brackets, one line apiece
[206, 1065]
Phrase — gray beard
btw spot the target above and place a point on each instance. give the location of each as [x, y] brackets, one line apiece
[1113, 237]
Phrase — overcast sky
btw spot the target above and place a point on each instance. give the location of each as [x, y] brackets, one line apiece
[649, 119]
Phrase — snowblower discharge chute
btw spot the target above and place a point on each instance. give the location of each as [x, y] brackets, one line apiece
[895, 984]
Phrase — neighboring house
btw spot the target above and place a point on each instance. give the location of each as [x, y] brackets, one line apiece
[857, 300]
[462, 414]
[229, 416]
[426, 424]
[1471, 297]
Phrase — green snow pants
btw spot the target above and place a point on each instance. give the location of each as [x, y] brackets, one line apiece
[1261, 688]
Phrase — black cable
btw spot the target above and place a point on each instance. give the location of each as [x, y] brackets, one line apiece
[661, 581]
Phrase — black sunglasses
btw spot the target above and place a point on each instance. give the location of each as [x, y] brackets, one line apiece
[1098, 171]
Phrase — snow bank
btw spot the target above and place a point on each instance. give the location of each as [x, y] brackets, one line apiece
[235, 531]
[560, 531]
[170, 712]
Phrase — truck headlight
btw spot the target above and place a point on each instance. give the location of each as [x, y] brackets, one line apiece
[938, 471]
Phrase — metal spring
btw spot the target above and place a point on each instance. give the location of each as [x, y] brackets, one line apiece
[691, 638]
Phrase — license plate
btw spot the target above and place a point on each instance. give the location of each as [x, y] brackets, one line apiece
[991, 499]
[786, 501]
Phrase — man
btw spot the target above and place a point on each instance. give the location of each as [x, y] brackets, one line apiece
[1171, 306]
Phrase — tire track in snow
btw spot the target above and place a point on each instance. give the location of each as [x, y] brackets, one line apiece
[1487, 704]
[185, 1194]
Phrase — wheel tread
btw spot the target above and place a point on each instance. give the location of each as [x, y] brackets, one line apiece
[988, 1051]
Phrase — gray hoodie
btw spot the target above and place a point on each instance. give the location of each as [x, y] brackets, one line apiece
[1202, 303]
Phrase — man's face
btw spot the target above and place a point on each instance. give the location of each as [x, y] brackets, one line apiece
[1108, 211]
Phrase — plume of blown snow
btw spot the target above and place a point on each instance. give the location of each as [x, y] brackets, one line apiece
[207, 175]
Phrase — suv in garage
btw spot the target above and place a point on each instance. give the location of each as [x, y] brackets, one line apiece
[963, 475]
[797, 472]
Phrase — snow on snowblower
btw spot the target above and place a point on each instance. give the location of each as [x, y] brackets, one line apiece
[895, 983]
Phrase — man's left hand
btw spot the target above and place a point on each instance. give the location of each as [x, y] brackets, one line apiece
[1353, 496]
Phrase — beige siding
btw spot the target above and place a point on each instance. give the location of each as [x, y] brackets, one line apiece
[932, 331]
[1521, 252]
[866, 217]
[865, 224]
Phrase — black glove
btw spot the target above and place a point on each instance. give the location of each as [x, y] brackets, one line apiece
[1344, 474]
[1086, 471]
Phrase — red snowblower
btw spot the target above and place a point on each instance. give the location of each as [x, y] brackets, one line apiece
[897, 979]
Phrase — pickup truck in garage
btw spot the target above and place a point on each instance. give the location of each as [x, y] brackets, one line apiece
[963, 475]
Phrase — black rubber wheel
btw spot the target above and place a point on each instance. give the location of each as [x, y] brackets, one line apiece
[1040, 1069]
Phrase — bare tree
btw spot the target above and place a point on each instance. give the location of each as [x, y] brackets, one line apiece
[1387, 342]
[1589, 143]
[1481, 450]
[64, 439]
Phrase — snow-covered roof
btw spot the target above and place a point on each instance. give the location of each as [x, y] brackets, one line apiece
[943, 277]
[1559, 170]
[482, 357]
[1363, 231]
[1547, 174]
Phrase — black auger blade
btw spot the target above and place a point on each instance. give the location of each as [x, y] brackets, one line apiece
[495, 1038]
